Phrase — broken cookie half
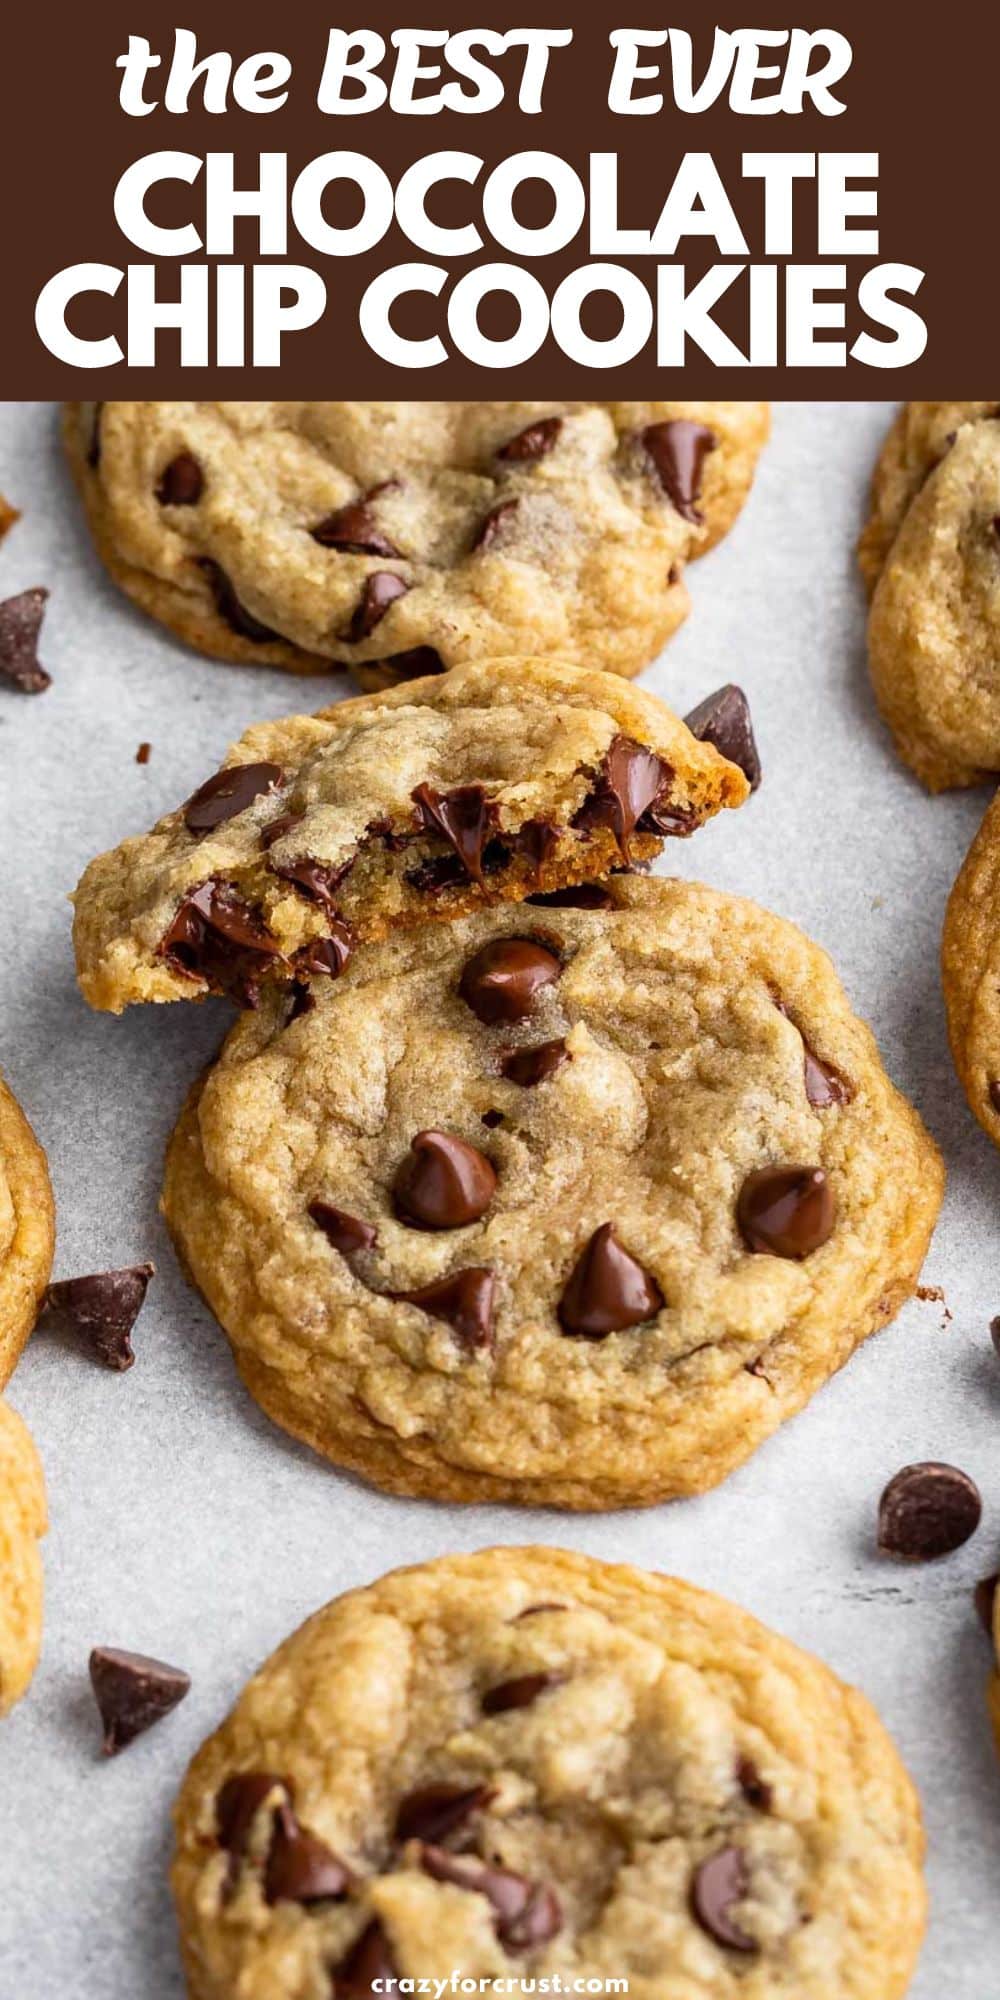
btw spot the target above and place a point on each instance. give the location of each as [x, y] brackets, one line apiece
[492, 783]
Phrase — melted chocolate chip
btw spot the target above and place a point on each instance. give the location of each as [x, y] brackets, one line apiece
[628, 787]
[579, 896]
[529, 1067]
[346, 1232]
[464, 1300]
[494, 524]
[229, 792]
[132, 1692]
[678, 450]
[353, 529]
[531, 444]
[182, 482]
[502, 981]
[985, 1599]
[301, 1002]
[718, 1884]
[368, 1970]
[102, 1308]
[228, 605]
[755, 1790]
[824, 1085]
[463, 816]
[299, 1867]
[926, 1511]
[217, 937]
[415, 664]
[316, 879]
[443, 1183]
[326, 957]
[723, 719]
[20, 625]
[786, 1211]
[380, 590]
[608, 1290]
[276, 829]
[433, 1812]
[525, 1912]
[519, 1692]
[433, 876]
[536, 841]
[239, 1801]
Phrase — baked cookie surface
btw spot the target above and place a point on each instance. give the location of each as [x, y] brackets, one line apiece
[321, 832]
[970, 972]
[27, 1230]
[553, 1204]
[22, 1522]
[400, 538]
[931, 553]
[524, 1763]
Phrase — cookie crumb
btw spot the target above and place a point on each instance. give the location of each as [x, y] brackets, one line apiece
[934, 1295]
[143, 754]
[8, 516]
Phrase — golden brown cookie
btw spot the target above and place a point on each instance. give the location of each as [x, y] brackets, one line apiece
[527, 1765]
[970, 969]
[27, 1230]
[323, 832]
[22, 1522]
[403, 538]
[553, 1204]
[931, 553]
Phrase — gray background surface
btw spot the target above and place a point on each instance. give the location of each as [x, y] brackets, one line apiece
[183, 1523]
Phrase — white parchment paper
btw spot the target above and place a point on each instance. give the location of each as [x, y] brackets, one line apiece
[183, 1523]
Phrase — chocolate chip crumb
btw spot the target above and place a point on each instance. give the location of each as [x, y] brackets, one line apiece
[20, 625]
[927, 1510]
[102, 1309]
[132, 1692]
[143, 754]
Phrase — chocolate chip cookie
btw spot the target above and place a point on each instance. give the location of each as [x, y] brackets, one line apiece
[528, 1765]
[931, 554]
[27, 1230]
[321, 832]
[399, 539]
[22, 1522]
[970, 967]
[553, 1204]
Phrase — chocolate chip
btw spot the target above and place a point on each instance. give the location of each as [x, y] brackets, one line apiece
[608, 1290]
[502, 981]
[217, 937]
[464, 1300]
[786, 1211]
[519, 1692]
[532, 1610]
[368, 1970]
[630, 783]
[723, 719]
[182, 482]
[525, 1912]
[380, 590]
[415, 664]
[536, 841]
[102, 1308]
[432, 1812]
[327, 956]
[228, 605]
[143, 754]
[132, 1692]
[823, 1084]
[20, 625]
[94, 445]
[464, 816]
[229, 792]
[678, 450]
[443, 1183]
[346, 1232]
[718, 1883]
[299, 1867]
[239, 1801]
[534, 443]
[276, 829]
[494, 525]
[316, 879]
[354, 530]
[440, 872]
[985, 1598]
[579, 896]
[529, 1067]
[755, 1790]
[928, 1510]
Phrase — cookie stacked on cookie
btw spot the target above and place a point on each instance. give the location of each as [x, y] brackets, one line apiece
[509, 1139]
